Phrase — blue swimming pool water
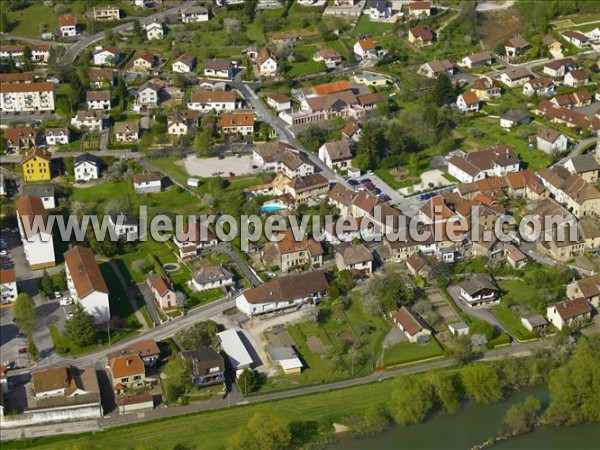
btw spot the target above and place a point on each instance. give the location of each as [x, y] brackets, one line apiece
[272, 208]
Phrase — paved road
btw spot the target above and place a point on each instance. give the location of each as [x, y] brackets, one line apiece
[576, 150]
[76, 48]
[10, 37]
[119, 420]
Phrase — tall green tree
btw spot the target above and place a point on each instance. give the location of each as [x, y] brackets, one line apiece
[81, 330]
[369, 146]
[45, 284]
[265, 431]
[204, 142]
[412, 399]
[32, 349]
[24, 313]
[521, 417]
[443, 93]
[446, 391]
[575, 386]
[247, 381]
[482, 383]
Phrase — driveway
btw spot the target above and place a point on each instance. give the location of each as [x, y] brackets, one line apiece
[149, 300]
[478, 313]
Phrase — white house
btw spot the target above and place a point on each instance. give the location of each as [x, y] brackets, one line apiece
[479, 290]
[154, 30]
[88, 120]
[57, 136]
[418, 10]
[211, 277]
[37, 241]
[380, 9]
[106, 56]
[8, 286]
[349, 256]
[98, 100]
[278, 101]
[184, 64]
[266, 63]
[148, 95]
[127, 132]
[364, 48]
[515, 77]
[86, 167]
[534, 322]
[569, 312]
[513, 117]
[576, 38]
[147, 182]
[68, 25]
[559, 67]
[432, 69]
[194, 14]
[278, 157]
[206, 101]
[336, 154]
[541, 86]
[468, 102]
[86, 283]
[477, 59]
[576, 78]
[124, 226]
[218, 68]
[459, 328]
[549, 140]
[278, 294]
[473, 166]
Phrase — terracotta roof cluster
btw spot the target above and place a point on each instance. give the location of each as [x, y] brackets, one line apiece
[24, 77]
[566, 116]
[419, 6]
[236, 120]
[15, 134]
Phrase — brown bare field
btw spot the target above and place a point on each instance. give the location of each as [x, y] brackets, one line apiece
[495, 26]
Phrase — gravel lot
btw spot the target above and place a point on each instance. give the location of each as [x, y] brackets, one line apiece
[206, 167]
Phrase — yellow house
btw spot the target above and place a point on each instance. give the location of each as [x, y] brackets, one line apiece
[36, 165]
[370, 79]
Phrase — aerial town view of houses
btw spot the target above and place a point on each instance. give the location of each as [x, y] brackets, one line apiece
[450, 299]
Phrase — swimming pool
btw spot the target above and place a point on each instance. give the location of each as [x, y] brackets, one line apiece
[272, 208]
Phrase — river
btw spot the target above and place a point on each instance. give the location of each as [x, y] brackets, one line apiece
[473, 425]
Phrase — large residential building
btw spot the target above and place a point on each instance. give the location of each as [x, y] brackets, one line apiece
[86, 283]
[68, 25]
[106, 13]
[280, 157]
[36, 165]
[208, 367]
[588, 288]
[570, 189]
[479, 290]
[283, 293]
[36, 235]
[241, 123]
[26, 97]
[211, 277]
[473, 166]
[194, 14]
[336, 154]
[288, 254]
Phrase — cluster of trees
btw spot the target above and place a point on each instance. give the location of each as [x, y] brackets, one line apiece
[49, 284]
[265, 431]
[198, 335]
[248, 381]
[398, 141]
[387, 293]
[176, 381]
[80, 329]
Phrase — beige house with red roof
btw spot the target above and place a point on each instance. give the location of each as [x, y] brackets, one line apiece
[164, 295]
[569, 312]
[205, 101]
[432, 69]
[413, 326]
[86, 283]
[330, 57]
[417, 10]
[588, 288]
[126, 371]
[421, 35]
[241, 123]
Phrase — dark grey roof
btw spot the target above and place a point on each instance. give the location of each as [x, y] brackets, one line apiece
[477, 282]
[585, 163]
[515, 115]
[128, 219]
[536, 320]
[281, 352]
[379, 5]
[87, 157]
[39, 190]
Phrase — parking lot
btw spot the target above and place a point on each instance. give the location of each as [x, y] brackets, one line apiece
[225, 166]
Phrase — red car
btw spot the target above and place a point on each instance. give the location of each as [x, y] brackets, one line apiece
[22, 350]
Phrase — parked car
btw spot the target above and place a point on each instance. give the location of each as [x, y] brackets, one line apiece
[69, 315]
[66, 301]
[365, 181]
[57, 295]
[3, 252]
[22, 350]
[353, 182]
[20, 336]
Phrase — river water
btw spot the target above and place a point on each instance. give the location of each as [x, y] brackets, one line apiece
[473, 425]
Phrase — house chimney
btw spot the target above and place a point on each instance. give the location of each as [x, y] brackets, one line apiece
[128, 363]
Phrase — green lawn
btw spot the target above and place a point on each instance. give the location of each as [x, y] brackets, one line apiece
[119, 304]
[512, 323]
[405, 352]
[517, 289]
[365, 26]
[298, 69]
[97, 197]
[63, 346]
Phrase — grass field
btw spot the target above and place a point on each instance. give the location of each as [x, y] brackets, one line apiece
[512, 323]
[405, 352]
[365, 26]
[119, 304]
[517, 289]
[298, 69]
